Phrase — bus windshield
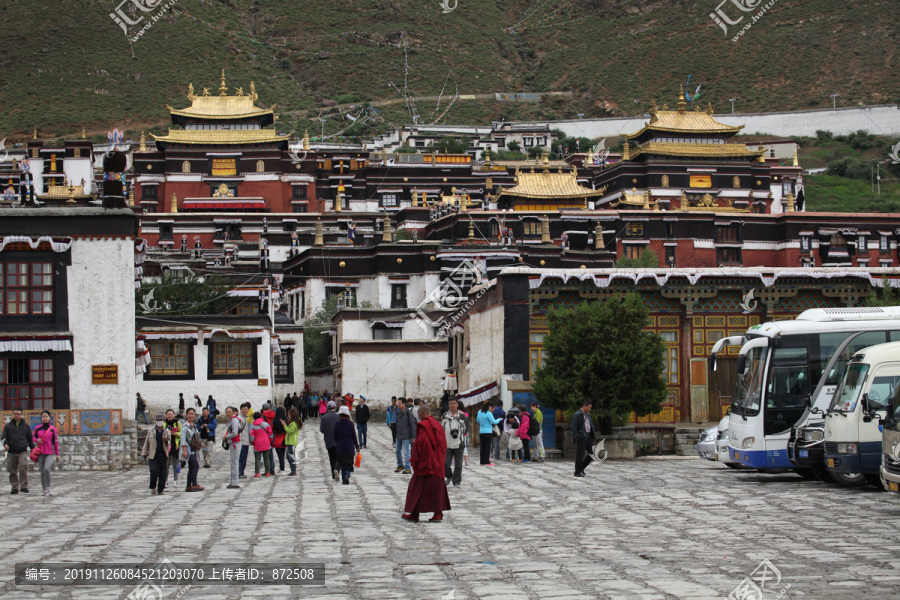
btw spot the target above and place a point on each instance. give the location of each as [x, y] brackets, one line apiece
[788, 383]
[846, 396]
[748, 387]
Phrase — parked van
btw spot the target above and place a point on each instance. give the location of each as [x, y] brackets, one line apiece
[853, 439]
[890, 445]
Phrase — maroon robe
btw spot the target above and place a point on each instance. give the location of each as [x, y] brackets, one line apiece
[427, 490]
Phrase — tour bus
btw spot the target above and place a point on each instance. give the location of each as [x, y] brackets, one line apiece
[784, 376]
[890, 445]
[852, 429]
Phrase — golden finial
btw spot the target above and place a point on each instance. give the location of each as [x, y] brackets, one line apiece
[545, 160]
[762, 156]
[709, 108]
[253, 95]
[790, 202]
[653, 108]
[681, 102]
[599, 243]
[386, 237]
[143, 146]
[796, 160]
[415, 197]
[487, 156]
[130, 194]
[35, 133]
[223, 91]
[306, 140]
[625, 151]
[83, 135]
[191, 94]
[174, 203]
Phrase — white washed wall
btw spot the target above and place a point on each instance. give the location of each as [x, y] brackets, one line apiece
[484, 331]
[380, 375]
[101, 319]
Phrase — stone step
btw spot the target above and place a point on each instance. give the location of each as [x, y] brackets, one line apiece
[686, 450]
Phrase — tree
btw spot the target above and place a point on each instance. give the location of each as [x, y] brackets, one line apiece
[513, 146]
[888, 296]
[451, 145]
[192, 295]
[316, 343]
[598, 351]
[405, 149]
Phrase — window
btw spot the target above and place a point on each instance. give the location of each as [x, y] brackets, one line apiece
[26, 288]
[883, 246]
[222, 167]
[299, 208]
[729, 233]
[634, 229]
[233, 358]
[532, 228]
[529, 141]
[381, 332]
[165, 231]
[284, 366]
[633, 251]
[150, 193]
[541, 141]
[169, 358]
[670, 230]
[389, 199]
[26, 383]
[538, 360]
[298, 192]
[838, 240]
[728, 256]
[804, 243]
[501, 142]
[398, 295]
[862, 246]
[495, 230]
[245, 309]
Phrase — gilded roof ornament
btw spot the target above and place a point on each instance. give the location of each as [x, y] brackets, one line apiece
[239, 91]
[223, 90]
[253, 95]
[191, 95]
[206, 91]
[709, 108]
[681, 102]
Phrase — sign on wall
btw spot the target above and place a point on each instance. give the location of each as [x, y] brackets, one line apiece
[104, 374]
[701, 181]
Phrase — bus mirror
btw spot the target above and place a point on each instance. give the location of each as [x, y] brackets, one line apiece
[713, 362]
[864, 404]
[741, 363]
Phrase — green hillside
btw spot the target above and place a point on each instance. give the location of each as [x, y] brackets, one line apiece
[65, 63]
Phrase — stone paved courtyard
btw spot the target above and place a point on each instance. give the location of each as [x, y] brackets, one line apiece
[648, 529]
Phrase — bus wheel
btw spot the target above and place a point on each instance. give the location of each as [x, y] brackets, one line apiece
[821, 473]
[735, 465]
[849, 479]
[805, 473]
[874, 479]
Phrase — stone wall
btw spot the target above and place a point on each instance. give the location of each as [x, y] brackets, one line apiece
[619, 445]
[97, 452]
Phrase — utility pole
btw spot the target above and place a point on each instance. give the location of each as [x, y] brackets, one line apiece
[878, 176]
[834, 100]
[732, 104]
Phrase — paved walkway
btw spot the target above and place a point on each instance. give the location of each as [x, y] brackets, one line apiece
[648, 529]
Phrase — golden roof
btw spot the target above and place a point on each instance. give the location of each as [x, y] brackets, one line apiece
[545, 185]
[61, 192]
[221, 107]
[684, 121]
[694, 150]
[220, 136]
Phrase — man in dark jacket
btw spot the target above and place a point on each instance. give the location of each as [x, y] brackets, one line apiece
[17, 442]
[583, 433]
[406, 435]
[362, 421]
[207, 426]
[326, 427]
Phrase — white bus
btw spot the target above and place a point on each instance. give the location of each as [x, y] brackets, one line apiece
[785, 374]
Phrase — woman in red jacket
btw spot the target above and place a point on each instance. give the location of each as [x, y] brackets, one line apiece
[280, 434]
[427, 490]
[47, 439]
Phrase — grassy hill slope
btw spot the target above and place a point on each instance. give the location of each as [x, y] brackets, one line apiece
[66, 63]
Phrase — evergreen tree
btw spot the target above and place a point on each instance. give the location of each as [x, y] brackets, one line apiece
[598, 351]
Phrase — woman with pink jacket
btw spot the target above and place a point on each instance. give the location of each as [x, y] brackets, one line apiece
[261, 437]
[522, 432]
[46, 438]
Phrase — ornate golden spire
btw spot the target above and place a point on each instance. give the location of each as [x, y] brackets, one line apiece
[625, 151]
[386, 235]
[306, 140]
[191, 95]
[415, 197]
[790, 202]
[487, 156]
[796, 160]
[223, 90]
[83, 136]
[174, 203]
[599, 244]
[762, 157]
[35, 133]
[709, 109]
[130, 194]
[143, 146]
[253, 95]
[545, 232]
[681, 102]
[545, 160]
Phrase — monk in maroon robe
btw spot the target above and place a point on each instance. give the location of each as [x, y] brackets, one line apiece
[427, 489]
